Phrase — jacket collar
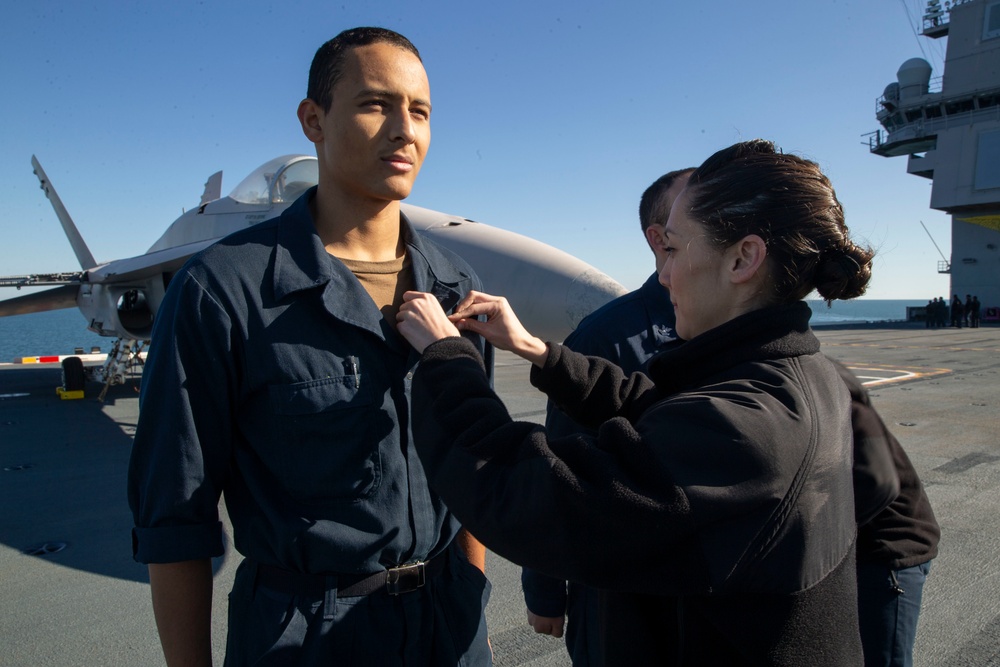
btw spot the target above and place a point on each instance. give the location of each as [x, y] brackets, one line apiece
[300, 261]
[776, 332]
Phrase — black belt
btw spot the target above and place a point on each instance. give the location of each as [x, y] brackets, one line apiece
[394, 581]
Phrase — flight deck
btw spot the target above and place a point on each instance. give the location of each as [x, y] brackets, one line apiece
[73, 596]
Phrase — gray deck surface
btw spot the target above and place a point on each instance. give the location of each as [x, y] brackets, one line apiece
[62, 480]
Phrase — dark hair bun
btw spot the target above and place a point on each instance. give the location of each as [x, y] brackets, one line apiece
[750, 188]
[843, 272]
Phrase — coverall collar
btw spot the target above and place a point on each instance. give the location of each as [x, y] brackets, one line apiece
[302, 262]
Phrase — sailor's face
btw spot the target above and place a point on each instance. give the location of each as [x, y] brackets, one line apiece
[657, 234]
[693, 272]
[376, 134]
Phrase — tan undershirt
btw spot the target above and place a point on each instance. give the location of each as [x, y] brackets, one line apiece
[385, 282]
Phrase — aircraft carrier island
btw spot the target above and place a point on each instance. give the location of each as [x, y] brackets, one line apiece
[948, 127]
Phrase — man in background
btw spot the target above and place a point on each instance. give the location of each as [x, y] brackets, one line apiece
[898, 535]
[627, 331]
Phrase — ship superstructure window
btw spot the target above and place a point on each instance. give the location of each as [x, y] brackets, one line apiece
[959, 106]
[987, 101]
[988, 161]
[991, 22]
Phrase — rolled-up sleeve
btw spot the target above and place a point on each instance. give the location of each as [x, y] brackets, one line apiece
[184, 436]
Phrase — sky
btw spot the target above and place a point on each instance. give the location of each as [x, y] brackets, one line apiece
[549, 118]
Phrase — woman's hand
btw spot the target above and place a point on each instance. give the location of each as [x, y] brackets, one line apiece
[501, 328]
[421, 320]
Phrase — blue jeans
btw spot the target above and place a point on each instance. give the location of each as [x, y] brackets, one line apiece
[888, 610]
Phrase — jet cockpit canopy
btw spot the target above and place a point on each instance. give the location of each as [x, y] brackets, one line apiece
[278, 181]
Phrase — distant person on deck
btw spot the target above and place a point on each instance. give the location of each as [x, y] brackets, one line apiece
[957, 312]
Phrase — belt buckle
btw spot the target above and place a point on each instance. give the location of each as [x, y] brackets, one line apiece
[405, 578]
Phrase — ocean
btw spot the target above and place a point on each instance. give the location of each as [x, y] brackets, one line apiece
[62, 331]
[860, 310]
[50, 333]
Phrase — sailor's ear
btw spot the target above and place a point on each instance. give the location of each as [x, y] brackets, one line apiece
[654, 237]
[746, 257]
[311, 118]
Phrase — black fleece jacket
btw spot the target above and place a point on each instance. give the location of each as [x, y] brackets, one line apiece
[724, 481]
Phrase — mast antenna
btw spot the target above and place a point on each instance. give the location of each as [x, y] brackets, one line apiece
[943, 258]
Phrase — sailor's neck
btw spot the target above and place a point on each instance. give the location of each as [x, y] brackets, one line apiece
[366, 231]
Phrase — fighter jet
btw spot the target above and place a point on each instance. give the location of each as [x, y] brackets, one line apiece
[551, 290]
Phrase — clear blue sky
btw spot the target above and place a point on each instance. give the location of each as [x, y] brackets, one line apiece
[550, 118]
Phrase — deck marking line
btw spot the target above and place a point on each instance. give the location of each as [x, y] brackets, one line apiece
[898, 374]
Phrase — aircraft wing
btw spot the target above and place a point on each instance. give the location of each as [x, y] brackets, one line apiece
[122, 271]
[63, 296]
[144, 266]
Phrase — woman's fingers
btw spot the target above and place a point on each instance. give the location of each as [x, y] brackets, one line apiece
[421, 321]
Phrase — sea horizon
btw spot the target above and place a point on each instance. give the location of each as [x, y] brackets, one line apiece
[859, 311]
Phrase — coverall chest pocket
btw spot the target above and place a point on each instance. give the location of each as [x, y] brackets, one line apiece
[324, 448]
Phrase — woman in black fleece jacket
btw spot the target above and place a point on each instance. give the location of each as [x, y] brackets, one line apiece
[722, 481]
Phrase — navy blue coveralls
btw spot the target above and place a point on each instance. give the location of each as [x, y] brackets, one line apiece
[272, 379]
[627, 331]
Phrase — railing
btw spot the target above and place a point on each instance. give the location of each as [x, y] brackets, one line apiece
[934, 85]
[40, 279]
[987, 101]
[937, 21]
[874, 140]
